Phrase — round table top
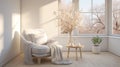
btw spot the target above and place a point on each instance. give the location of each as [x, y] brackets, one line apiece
[74, 46]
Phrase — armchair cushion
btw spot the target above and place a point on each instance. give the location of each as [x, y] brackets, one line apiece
[40, 49]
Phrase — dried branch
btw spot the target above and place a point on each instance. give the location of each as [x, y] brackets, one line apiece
[98, 20]
[68, 19]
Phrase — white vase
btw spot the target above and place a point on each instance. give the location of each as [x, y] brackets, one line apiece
[96, 49]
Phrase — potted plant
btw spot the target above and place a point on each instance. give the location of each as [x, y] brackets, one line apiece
[96, 47]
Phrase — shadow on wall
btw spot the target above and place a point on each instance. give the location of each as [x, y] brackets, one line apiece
[9, 39]
[31, 14]
[39, 14]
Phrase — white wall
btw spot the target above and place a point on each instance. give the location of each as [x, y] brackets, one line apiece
[85, 41]
[40, 14]
[114, 45]
[9, 23]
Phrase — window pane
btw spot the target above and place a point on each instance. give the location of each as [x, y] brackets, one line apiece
[116, 16]
[85, 6]
[116, 22]
[99, 6]
[98, 23]
[92, 23]
[115, 5]
[85, 24]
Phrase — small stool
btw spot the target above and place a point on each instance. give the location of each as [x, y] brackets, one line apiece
[76, 47]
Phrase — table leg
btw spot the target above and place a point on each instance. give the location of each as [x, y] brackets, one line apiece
[76, 55]
[39, 60]
[80, 52]
[68, 52]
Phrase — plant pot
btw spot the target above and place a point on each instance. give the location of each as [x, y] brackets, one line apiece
[96, 49]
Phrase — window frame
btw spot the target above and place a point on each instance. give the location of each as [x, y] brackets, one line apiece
[105, 12]
[89, 35]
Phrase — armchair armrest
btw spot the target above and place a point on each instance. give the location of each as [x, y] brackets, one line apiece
[26, 42]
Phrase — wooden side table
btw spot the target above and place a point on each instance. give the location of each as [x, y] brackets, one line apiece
[76, 47]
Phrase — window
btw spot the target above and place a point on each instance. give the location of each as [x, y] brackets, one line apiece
[116, 16]
[93, 17]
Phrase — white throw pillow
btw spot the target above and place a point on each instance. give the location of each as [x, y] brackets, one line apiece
[39, 37]
[28, 36]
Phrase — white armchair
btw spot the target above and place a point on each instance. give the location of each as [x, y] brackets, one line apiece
[34, 45]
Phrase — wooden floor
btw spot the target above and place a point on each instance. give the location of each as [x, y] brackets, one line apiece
[105, 59]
